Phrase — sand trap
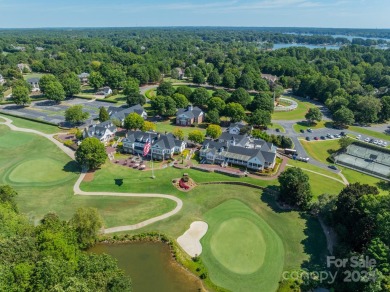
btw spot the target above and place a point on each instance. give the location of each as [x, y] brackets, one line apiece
[190, 240]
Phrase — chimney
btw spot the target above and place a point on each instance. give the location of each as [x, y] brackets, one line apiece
[190, 107]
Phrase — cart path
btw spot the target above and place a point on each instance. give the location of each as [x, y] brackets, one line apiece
[78, 191]
[344, 181]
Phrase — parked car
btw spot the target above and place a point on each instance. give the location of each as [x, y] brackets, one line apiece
[310, 130]
[367, 140]
[302, 131]
[371, 140]
[277, 130]
[337, 136]
[316, 138]
[328, 135]
[331, 137]
[342, 133]
[333, 167]
[322, 137]
[384, 144]
[358, 137]
[307, 138]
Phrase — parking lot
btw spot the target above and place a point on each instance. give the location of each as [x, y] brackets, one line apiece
[54, 113]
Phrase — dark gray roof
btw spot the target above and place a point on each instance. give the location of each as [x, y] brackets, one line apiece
[34, 80]
[190, 112]
[120, 113]
[236, 138]
[167, 141]
[98, 130]
[83, 75]
[240, 125]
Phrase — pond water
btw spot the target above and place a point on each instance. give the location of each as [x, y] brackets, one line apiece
[150, 266]
[329, 47]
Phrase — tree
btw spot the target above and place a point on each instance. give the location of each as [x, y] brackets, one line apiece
[96, 80]
[178, 133]
[262, 101]
[385, 112]
[164, 105]
[314, 114]
[216, 103]
[229, 80]
[148, 126]
[245, 82]
[367, 109]
[135, 99]
[240, 96]
[295, 188]
[200, 96]
[91, 153]
[133, 121]
[87, 223]
[175, 74]
[45, 81]
[131, 87]
[214, 78]
[21, 95]
[213, 131]
[54, 91]
[196, 136]
[343, 117]
[103, 114]
[213, 117]
[7, 196]
[71, 84]
[235, 112]
[260, 118]
[75, 114]
[115, 78]
[185, 90]
[198, 78]
[180, 100]
[221, 93]
[344, 142]
[165, 88]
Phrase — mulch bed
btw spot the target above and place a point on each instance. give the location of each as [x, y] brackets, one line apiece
[190, 183]
[89, 176]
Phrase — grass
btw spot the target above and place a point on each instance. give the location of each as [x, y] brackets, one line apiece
[303, 125]
[297, 114]
[32, 75]
[373, 134]
[43, 176]
[354, 176]
[319, 150]
[169, 126]
[233, 261]
[23, 123]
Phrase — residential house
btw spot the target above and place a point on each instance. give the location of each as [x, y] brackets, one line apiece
[234, 139]
[180, 72]
[272, 79]
[235, 128]
[120, 113]
[39, 49]
[255, 155]
[163, 146]
[188, 116]
[19, 48]
[83, 77]
[2, 80]
[34, 82]
[105, 91]
[104, 131]
[23, 67]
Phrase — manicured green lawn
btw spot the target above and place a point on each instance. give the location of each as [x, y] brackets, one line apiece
[168, 126]
[297, 114]
[303, 125]
[354, 176]
[240, 250]
[22, 123]
[319, 149]
[32, 75]
[44, 177]
[312, 167]
[370, 133]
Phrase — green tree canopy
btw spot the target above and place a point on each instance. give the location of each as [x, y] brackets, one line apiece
[180, 100]
[212, 117]
[165, 88]
[21, 95]
[196, 136]
[314, 114]
[178, 133]
[103, 114]
[343, 117]
[75, 114]
[185, 90]
[96, 80]
[240, 96]
[200, 96]
[91, 153]
[54, 91]
[260, 118]
[235, 112]
[213, 131]
[71, 84]
[164, 105]
[216, 103]
[133, 122]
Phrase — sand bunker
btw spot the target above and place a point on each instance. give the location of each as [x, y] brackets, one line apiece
[190, 240]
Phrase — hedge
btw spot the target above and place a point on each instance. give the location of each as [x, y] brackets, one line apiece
[29, 119]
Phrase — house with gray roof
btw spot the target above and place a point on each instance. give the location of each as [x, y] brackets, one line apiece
[105, 91]
[2, 80]
[235, 128]
[188, 116]
[255, 154]
[34, 83]
[84, 77]
[104, 131]
[163, 146]
[120, 113]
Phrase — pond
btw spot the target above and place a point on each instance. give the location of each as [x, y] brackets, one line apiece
[150, 266]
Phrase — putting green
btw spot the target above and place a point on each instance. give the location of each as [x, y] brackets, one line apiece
[237, 253]
[43, 170]
[241, 251]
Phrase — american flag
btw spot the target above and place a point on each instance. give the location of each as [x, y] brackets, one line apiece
[147, 147]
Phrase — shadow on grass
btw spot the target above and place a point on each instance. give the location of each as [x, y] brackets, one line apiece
[383, 185]
[72, 166]
[118, 181]
[268, 196]
[315, 244]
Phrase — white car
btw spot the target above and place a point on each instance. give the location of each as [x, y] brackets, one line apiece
[376, 142]
[367, 140]
[384, 144]
[358, 137]
[331, 137]
[380, 142]
[337, 136]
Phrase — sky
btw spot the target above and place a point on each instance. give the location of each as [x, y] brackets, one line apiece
[136, 13]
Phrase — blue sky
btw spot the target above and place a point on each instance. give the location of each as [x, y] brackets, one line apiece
[100, 13]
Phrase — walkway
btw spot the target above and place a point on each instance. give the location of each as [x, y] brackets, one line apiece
[78, 191]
